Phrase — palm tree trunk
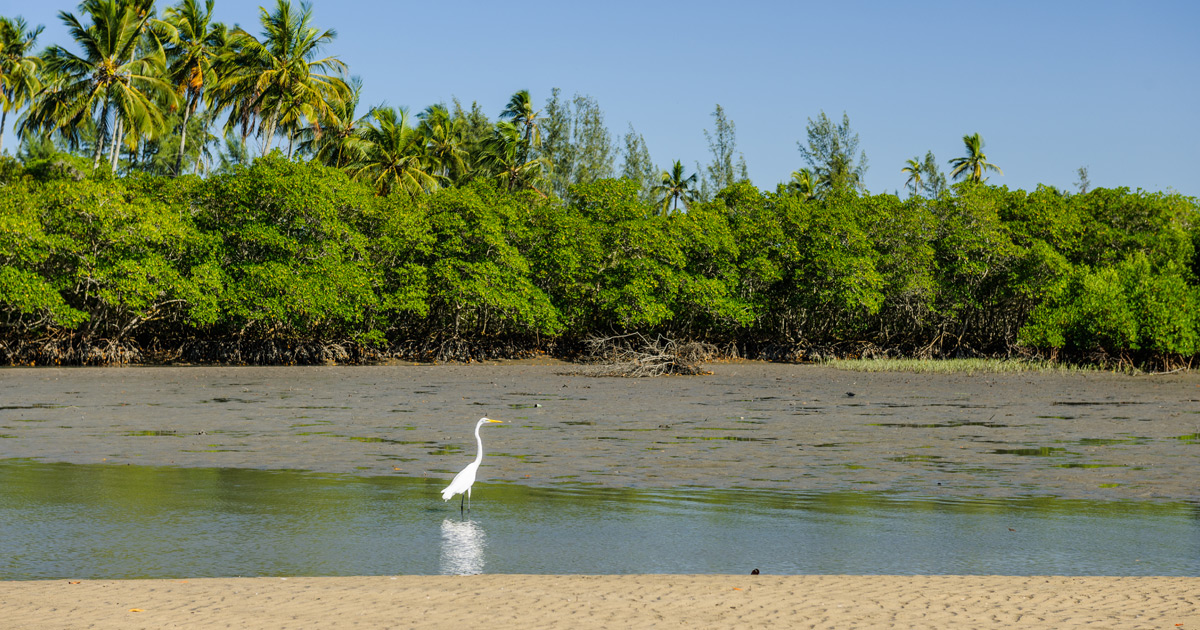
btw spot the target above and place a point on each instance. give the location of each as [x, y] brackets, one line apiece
[100, 139]
[97, 153]
[187, 112]
[3, 118]
[114, 155]
[268, 132]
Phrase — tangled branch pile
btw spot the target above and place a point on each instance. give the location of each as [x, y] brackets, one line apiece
[635, 355]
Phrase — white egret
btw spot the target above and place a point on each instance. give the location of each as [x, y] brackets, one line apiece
[466, 478]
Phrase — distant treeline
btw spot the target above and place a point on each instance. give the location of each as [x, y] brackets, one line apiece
[281, 262]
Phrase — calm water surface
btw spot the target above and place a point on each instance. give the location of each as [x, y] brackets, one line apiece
[105, 521]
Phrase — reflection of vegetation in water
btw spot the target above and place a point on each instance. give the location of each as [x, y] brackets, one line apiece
[296, 523]
[1191, 438]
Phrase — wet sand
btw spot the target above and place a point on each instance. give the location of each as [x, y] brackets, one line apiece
[752, 425]
[635, 601]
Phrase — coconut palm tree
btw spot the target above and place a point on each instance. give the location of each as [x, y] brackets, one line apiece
[193, 50]
[974, 164]
[675, 187]
[444, 142]
[521, 114]
[280, 80]
[118, 80]
[235, 93]
[803, 183]
[143, 11]
[506, 156]
[914, 168]
[19, 79]
[392, 155]
[334, 140]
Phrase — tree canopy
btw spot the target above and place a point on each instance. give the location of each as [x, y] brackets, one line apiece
[251, 203]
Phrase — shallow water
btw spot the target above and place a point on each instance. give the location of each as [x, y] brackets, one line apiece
[119, 521]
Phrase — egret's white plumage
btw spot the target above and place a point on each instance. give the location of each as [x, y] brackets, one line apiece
[466, 478]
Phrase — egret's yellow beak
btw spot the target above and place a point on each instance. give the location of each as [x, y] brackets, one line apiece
[496, 421]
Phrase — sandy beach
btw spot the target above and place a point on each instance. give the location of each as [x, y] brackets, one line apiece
[1092, 436]
[633, 601]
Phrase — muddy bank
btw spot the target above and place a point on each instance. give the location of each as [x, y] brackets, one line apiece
[757, 425]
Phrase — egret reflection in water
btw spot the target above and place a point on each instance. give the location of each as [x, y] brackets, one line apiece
[462, 548]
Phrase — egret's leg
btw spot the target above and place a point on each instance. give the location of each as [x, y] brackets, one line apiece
[460, 504]
[468, 498]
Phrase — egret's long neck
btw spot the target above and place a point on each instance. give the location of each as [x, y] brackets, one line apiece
[479, 443]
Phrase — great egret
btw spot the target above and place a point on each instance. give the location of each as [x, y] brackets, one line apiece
[466, 478]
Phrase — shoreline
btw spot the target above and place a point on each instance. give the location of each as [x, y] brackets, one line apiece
[641, 601]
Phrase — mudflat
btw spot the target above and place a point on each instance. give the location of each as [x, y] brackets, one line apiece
[753, 425]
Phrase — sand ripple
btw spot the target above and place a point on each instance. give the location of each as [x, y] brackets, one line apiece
[634, 601]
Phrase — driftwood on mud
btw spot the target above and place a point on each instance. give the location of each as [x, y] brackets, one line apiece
[636, 355]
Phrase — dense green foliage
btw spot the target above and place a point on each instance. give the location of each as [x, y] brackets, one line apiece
[445, 233]
[299, 253]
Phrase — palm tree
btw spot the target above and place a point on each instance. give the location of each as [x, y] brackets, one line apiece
[803, 183]
[334, 139]
[194, 47]
[392, 156]
[914, 168]
[280, 80]
[119, 76]
[444, 143]
[506, 157]
[235, 93]
[974, 164]
[521, 114]
[674, 187]
[19, 79]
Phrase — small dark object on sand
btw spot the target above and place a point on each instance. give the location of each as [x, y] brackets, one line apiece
[849, 394]
[754, 572]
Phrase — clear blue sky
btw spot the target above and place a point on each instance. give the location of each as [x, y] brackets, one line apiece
[1051, 85]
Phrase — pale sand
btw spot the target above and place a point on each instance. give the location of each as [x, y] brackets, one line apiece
[632, 601]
